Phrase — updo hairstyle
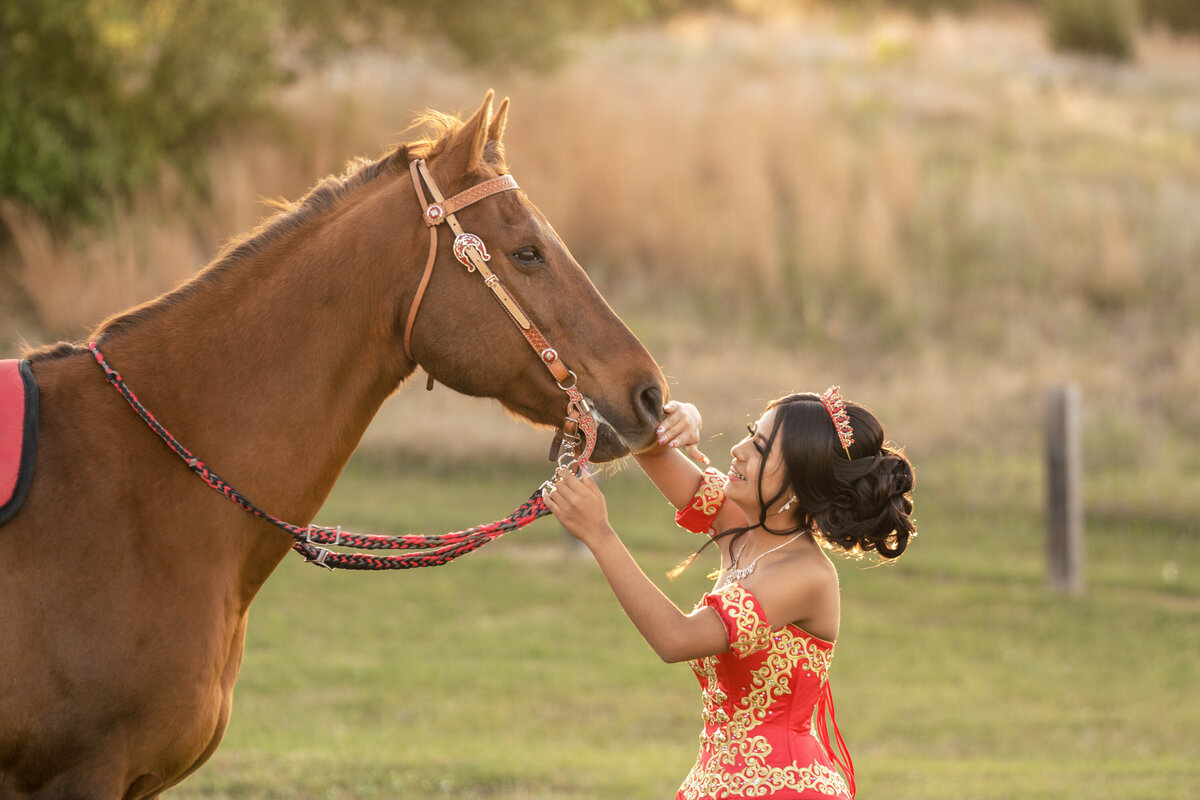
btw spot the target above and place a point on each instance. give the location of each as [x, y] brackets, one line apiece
[859, 503]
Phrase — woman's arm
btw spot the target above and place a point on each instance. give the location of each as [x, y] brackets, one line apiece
[676, 475]
[579, 505]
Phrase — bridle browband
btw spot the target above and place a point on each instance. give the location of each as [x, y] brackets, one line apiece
[574, 442]
[471, 253]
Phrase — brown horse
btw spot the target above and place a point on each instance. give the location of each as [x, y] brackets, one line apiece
[125, 582]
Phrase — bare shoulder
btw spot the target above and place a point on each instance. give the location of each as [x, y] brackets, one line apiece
[802, 589]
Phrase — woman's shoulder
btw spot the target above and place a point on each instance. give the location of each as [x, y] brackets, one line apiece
[803, 590]
[803, 563]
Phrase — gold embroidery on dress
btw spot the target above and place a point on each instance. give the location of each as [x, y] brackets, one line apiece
[730, 740]
[711, 493]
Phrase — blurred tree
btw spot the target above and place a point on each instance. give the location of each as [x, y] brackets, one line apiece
[926, 8]
[1097, 27]
[1181, 16]
[54, 85]
[97, 95]
[505, 33]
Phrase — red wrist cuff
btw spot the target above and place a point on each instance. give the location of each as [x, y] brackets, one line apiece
[698, 516]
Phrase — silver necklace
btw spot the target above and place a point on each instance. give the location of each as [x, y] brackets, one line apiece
[736, 573]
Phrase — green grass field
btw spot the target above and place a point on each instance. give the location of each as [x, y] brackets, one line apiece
[512, 673]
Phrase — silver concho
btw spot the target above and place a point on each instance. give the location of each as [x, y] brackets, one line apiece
[464, 241]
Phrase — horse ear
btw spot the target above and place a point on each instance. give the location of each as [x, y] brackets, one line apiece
[496, 129]
[465, 151]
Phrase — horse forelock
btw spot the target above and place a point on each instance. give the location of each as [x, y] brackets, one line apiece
[438, 127]
[493, 154]
[440, 130]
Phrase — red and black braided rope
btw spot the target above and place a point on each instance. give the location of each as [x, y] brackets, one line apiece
[433, 550]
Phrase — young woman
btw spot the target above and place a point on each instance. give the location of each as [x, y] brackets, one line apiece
[814, 473]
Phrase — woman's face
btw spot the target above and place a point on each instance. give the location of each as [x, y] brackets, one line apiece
[750, 460]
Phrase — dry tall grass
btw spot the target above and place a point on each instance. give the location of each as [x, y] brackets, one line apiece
[943, 216]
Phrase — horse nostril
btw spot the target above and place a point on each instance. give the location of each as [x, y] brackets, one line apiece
[649, 403]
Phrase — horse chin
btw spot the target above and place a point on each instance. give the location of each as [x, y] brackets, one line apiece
[609, 445]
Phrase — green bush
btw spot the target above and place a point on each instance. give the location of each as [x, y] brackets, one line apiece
[1094, 27]
[1181, 16]
[925, 8]
[95, 97]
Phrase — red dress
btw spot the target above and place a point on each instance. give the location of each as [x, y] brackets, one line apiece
[761, 737]
[766, 699]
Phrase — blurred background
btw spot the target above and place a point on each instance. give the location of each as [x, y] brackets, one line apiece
[948, 207]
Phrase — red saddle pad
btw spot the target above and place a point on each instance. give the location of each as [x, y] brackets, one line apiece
[18, 434]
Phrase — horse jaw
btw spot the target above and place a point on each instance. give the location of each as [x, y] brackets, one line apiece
[610, 444]
[614, 444]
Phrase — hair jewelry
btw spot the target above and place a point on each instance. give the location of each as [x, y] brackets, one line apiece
[832, 400]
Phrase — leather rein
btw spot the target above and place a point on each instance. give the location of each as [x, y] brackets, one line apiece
[574, 441]
[576, 438]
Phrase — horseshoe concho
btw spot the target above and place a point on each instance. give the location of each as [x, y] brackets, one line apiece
[467, 240]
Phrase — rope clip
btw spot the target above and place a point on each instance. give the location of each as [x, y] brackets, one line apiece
[322, 554]
[308, 534]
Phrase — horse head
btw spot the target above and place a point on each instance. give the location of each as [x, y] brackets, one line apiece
[467, 340]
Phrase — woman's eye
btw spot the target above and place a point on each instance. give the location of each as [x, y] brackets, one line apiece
[529, 257]
[753, 437]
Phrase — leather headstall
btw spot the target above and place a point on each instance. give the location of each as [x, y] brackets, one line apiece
[470, 250]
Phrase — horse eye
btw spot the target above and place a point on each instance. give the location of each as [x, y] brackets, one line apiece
[529, 257]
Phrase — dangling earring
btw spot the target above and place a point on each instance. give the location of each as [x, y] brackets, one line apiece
[786, 505]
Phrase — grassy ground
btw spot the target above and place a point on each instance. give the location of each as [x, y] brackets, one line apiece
[512, 673]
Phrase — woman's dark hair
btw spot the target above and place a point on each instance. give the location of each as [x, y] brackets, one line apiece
[859, 502]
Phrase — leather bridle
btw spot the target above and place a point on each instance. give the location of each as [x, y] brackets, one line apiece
[574, 442]
[576, 438]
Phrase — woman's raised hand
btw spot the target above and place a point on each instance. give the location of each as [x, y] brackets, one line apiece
[578, 504]
[680, 429]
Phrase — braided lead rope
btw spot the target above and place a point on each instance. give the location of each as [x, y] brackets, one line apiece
[532, 509]
[437, 550]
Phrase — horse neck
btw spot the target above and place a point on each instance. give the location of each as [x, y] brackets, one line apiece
[271, 367]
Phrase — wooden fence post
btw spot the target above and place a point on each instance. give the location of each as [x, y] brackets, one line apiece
[1064, 496]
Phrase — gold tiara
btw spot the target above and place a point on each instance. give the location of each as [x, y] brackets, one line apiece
[832, 400]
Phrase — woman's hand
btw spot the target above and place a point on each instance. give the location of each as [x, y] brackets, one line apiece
[579, 506]
[680, 428]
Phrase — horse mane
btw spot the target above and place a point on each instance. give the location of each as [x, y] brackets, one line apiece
[290, 216]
